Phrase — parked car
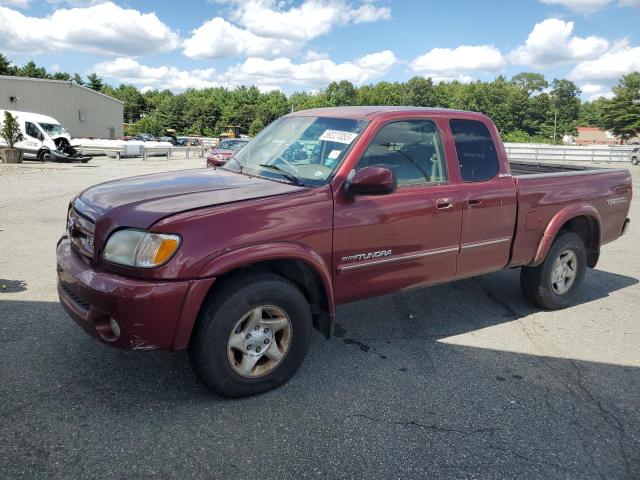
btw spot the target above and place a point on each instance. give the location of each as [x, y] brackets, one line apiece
[145, 137]
[224, 150]
[635, 156]
[166, 138]
[322, 208]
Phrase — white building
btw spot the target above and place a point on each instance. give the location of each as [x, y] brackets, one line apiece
[82, 111]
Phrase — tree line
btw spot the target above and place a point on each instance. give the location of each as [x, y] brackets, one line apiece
[525, 108]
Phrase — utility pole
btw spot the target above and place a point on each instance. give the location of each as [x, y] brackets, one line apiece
[555, 124]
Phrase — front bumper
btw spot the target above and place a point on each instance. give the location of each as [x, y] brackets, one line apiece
[149, 314]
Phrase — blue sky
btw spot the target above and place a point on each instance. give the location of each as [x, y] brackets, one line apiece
[305, 44]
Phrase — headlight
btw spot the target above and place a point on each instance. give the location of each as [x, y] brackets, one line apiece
[137, 248]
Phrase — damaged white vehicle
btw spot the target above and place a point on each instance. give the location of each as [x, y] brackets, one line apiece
[45, 139]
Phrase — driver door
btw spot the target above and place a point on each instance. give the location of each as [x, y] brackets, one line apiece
[404, 239]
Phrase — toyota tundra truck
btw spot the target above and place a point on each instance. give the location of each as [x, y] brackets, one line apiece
[322, 208]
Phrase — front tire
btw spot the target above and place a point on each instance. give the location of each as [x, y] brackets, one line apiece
[634, 161]
[252, 335]
[553, 284]
[44, 156]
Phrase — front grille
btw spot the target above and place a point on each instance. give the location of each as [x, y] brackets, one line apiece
[69, 291]
[81, 233]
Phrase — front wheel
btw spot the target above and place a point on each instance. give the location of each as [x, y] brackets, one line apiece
[553, 284]
[252, 335]
[634, 161]
[44, 156]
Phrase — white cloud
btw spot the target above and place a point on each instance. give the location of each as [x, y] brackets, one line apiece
[590, 6]
[15, 3]
[268, 29]
[317, 73]
[594, 91]
[104, 29]
[128, 70]
[311, 55]
[445, 64]
[309, 20]
[217, 38]
[265, 74]
[551, 43]
[580, 6]
[609, 67]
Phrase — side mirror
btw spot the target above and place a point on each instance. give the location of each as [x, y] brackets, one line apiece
[373, 181]
[41, 136]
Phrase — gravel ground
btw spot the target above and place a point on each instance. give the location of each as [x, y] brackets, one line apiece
[464, 380]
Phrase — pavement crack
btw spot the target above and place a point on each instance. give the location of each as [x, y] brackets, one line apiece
[428, 426]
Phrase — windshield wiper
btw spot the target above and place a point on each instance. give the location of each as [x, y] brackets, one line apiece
[285, 173]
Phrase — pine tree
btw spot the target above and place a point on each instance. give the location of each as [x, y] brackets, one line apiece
[622, 112]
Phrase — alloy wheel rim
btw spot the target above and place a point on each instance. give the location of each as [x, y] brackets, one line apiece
[259, 341]
[564, 272]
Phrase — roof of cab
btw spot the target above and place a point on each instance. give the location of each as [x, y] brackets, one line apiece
[369, 112]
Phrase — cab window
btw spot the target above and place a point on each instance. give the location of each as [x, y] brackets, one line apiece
[476, 151]
[412, 150]
[31, 130]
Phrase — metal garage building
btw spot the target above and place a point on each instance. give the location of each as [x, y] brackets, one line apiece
[82, 111]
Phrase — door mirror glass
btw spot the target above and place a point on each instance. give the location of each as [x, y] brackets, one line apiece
[41, 136]
[373, 181]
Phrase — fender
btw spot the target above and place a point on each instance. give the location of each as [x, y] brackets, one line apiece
[558, 220]
[246, 256]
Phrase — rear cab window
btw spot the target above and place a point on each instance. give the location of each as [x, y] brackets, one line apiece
[477, 155]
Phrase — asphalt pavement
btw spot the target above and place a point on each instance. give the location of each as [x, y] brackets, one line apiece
[459, 381]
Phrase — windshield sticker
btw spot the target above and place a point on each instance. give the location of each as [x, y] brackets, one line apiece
[334, 154]
[338, 136]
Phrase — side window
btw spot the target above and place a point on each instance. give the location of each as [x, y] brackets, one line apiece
[412, 150]
[476, 151]
[31, 129]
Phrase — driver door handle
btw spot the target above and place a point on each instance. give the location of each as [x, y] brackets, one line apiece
[444, 203]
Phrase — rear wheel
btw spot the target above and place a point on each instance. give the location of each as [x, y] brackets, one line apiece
[252, 336]
[554, 283]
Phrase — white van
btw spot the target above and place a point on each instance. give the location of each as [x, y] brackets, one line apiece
[44, 138]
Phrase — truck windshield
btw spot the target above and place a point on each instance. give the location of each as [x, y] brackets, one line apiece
[53, 129]
[302, 150]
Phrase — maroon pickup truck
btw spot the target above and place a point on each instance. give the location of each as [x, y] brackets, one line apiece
[322, 208]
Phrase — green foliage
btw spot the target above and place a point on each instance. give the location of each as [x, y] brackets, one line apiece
[566, 106]
[32, 70]
[530, 82]
[77, 79]
[5, 66]
[622, 113]
[10, 130]
[94, 82]
[519, 136]
[592, 113]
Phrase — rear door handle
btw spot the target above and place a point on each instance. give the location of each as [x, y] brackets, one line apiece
[474, 201]
[444, 203]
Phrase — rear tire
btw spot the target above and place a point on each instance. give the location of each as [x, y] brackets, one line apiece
[226, 340]
[553, 284]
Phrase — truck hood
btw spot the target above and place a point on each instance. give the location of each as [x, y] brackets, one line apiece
[141, 201]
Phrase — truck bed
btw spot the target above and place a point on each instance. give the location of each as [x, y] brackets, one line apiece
[545, 189]
[522, 169]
